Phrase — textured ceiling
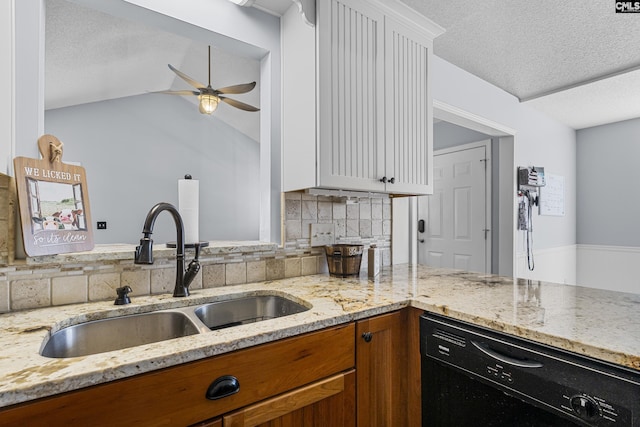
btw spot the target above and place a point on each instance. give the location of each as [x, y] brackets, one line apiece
[531, 48]
[536, 48]
[576, 62]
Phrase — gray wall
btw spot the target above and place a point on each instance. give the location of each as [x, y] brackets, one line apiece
[259, 37]
[539, 140]
[144, 144]
[608, 175]
[446, 135]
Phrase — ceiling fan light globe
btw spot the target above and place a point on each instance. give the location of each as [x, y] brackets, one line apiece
[208, 103]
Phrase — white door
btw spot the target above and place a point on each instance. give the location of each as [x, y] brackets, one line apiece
[456, 223]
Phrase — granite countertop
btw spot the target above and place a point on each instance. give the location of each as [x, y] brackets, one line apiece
[597, 323]
[121, 251]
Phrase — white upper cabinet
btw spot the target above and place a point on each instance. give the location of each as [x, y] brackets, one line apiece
[351, 96]
[408, 110]
[356, 100]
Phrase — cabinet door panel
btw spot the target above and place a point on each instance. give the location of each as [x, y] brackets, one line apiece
[381, 361]
[409, 150]
[329, 402]
[351, 101]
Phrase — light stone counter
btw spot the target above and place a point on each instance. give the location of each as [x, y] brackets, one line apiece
[602, 324]
[119, 251]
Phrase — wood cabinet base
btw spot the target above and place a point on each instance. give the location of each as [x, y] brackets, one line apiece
[176, 396]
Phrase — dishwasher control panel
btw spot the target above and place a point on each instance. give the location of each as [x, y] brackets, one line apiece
[498, 372]
[587, 391]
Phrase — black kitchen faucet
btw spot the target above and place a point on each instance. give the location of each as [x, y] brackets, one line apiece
[144, 252]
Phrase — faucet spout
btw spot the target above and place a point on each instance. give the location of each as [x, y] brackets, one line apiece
[144, 252]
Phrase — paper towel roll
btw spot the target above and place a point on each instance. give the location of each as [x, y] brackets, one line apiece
[188, 206]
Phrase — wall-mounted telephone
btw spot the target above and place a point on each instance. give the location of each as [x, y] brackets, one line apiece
[529, 179]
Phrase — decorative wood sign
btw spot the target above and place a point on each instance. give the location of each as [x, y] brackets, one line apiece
[54, 202]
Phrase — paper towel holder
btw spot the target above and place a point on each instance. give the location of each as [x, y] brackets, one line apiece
[196, 245]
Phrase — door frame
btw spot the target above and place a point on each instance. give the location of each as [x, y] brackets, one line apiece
[488, 193]
[407, 235]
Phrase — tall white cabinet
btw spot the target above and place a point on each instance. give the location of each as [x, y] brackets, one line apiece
[351, 110]
[356, 99]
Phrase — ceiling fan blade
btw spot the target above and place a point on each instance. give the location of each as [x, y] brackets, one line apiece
[238, 104]
[186, 78]
[179, 92]
[243, 88]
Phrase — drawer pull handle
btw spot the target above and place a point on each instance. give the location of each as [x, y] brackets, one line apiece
[367, 336]
[223, 387]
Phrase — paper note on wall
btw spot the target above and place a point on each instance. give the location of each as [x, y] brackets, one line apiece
[552, 196]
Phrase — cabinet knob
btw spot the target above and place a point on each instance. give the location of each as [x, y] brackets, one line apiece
[223, 387]
[367, 336]
[392, 180]
[385, 180]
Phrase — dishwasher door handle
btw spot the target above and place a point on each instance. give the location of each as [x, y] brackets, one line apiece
[521, 363]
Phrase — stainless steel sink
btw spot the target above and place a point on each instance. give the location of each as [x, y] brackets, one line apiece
[240, 311]
[117, 333]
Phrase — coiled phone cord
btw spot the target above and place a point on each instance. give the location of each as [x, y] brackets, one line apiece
[526, 223]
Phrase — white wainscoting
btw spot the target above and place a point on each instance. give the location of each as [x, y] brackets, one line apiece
[613, 268]
[556, 265]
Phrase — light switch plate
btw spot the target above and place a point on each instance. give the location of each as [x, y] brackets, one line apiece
[322, 234]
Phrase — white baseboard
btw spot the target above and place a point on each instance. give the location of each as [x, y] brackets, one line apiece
[609, 267]
[556, 265]
[613, 268]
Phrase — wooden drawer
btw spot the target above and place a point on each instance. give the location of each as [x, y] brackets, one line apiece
[176, 396]
[329, 402]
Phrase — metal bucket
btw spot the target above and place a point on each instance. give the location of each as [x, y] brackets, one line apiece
[344, 260]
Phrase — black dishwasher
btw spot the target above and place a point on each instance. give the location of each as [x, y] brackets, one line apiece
[473, 376]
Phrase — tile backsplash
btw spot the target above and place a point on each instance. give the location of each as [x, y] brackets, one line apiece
[95, 276]
[365, 221]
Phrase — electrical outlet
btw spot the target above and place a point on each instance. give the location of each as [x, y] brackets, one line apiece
[102, 225]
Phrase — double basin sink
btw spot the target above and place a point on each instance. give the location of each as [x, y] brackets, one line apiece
[118, 333]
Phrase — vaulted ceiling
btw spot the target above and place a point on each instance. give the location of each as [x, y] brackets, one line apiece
[91, 56]
[574, 61]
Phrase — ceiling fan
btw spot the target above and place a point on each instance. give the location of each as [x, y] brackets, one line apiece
[209, 97]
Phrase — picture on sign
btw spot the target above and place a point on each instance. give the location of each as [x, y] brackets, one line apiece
[55, 206]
